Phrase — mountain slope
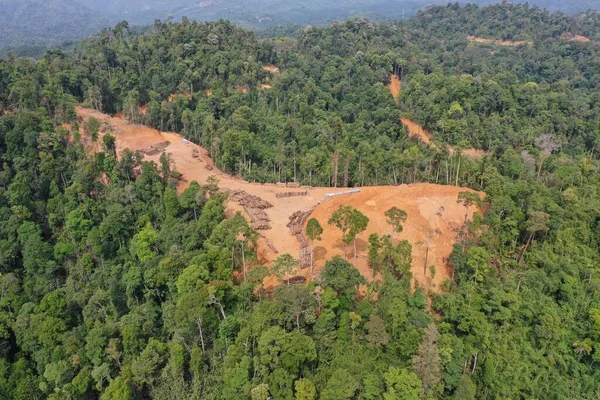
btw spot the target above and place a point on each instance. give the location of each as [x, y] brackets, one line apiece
[46, 21]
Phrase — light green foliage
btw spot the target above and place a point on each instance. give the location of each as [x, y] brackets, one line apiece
[93, 127]
[261, 392]
[402, 384]
[284, 266]
[118, 389]
[340, 386]
[142, 244]
[305, 389]
[350, 221]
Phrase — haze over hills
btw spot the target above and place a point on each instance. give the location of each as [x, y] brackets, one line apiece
[52, 23]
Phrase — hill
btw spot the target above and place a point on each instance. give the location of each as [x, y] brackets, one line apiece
[30, 25]
[49, 23]
[127, 272]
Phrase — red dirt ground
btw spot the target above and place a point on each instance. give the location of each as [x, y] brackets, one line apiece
[271, 68]
[395, 86]
[477, 39]
[421, 202]
[575, 38]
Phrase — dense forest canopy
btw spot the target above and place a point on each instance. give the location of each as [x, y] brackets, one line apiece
[114, 286]
[28, 26]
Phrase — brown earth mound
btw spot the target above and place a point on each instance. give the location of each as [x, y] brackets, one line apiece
[420, 201]
[271, 68]
[434, 220]
[395, 86]
[575, 38]
[499, 42]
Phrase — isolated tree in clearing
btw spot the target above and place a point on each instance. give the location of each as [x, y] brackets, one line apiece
[313, 231]
[396, 217]
[468, 199]
[351, 222]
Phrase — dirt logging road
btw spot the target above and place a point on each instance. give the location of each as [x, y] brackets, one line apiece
[434, 216]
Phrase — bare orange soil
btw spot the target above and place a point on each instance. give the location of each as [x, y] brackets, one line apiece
[395, 87]
[434, 220]
[271, 68]
[477, 39]
[575, 38]
[421, 201]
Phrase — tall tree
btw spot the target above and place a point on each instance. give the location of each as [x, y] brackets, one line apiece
[351, 222]
[313, 231]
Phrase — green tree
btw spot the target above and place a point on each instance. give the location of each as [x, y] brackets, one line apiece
[284, 266]
[341, 277]
[305, 389]
[396, 217]
[402, 384]
[313, 231]
[351, 222]
[93, 127]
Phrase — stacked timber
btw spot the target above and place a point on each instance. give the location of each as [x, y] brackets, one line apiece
[290, 194]
[295, 280]
[254, 207]
[297, 221]
[155, 148]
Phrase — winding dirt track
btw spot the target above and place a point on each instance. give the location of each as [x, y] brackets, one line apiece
[434, 216]
[417, 131]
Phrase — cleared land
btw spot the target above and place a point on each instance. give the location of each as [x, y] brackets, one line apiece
[421, 201]
[498, 42]
[575, 38]
[271, 68]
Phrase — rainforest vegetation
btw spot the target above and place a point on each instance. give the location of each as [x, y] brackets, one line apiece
[114, 286]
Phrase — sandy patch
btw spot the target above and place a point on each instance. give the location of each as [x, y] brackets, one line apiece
[271, 68]
[498, 42]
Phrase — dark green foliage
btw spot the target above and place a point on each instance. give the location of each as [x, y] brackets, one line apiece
[113, 285]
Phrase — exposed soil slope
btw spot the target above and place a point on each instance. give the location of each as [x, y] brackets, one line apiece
[498, 42]
[395, 86]
[417, 131]
[271, 68]
[421, 201]
[575, 38]
[434, 220]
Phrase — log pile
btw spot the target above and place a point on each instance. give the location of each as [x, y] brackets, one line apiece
[296, 225]
[297, 221]
[245, 199]
[290, 194]
[254, 207]
[305, 255]
[155, 148]
[295, 280]
[270, 245]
